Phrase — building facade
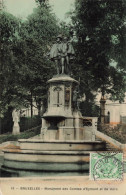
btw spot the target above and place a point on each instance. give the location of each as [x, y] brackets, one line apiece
[115, 112]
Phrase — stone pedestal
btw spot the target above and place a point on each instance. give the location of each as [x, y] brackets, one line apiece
[62, 119]
[16, 128]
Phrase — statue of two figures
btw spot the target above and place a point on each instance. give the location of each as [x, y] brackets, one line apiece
[62, 53]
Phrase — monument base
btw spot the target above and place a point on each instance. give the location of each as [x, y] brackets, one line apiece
[16, 129]
[64, 144]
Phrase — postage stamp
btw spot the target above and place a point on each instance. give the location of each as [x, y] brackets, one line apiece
[106, 166]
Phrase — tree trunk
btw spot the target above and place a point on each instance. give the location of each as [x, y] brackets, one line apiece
[31, 106]
[39, 109]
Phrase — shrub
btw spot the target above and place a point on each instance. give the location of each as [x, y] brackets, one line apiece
[25, 123]
[24, 135]
[28, 122]
[116, 133]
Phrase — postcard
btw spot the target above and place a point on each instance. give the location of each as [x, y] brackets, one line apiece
[62, 97]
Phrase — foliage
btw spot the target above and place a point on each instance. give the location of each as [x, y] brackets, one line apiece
[42, 25]
[89, 109]
[116, 133]
[7, 122]
[28, 123]
[24, 66]
[25, 69]
[25, 122]
[99, 27]
[9, 35]
[41, 2]
[38, 33]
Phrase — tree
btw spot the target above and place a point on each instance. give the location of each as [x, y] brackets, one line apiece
[8, 64]
[25, 68]
[99, 27]
[41, 2]
[37, 34]
[9, 35]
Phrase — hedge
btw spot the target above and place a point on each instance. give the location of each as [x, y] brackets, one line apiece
[25, 123]
[24, 135]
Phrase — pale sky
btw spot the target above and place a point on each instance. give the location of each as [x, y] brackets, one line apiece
[23, 8]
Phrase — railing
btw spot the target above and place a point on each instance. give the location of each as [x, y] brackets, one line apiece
[90, 121]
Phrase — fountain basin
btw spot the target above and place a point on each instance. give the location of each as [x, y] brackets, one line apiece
[46, 160]
[61, 145]
[50, 156]
[53, 120]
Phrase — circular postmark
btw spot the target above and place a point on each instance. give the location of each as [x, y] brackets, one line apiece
[108, 153]
[108, 168]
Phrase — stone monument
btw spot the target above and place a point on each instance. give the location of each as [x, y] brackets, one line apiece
[63, 120]
[16, 119]
[63, 144]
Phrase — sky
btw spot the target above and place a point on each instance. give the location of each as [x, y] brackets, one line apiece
[23, 8]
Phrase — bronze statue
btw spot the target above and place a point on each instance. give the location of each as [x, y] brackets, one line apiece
[62, 53]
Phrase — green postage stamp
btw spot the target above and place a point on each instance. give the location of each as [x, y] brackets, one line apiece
[106, 166]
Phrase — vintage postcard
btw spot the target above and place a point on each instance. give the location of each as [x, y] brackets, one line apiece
[63, 97]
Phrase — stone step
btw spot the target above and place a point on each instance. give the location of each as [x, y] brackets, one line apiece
[109, 147]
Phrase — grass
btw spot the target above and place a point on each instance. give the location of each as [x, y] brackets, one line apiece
[24, 135]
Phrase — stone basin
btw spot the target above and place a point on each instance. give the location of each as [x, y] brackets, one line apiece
[53, 155]
[61, 145]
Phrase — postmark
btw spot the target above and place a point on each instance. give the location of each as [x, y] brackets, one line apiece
[108, 153]
[106, 167]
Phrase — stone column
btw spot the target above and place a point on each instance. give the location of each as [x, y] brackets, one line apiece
[79, 131]
[102, 107]
[61, 134]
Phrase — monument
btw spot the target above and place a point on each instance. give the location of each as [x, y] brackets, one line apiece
[16, 119]
[63, 120]
[63, 144]
[62, 52]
